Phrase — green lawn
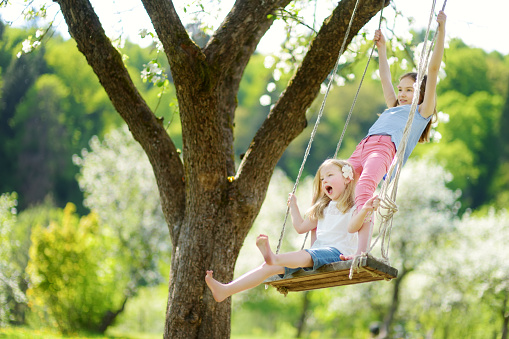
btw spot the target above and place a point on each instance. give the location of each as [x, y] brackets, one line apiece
[24, 333]
[17, 332]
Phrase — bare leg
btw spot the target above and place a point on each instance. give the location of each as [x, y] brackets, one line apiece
[249, 280]
[291, 259]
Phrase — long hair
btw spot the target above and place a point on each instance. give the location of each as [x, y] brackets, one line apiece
[321, 200]
[426, 133]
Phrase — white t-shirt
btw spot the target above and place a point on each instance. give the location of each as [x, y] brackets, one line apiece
[332, 230]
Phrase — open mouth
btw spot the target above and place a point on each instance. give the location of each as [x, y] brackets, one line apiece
[328, 189]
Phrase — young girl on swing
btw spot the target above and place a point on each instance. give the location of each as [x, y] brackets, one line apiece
[373, 156]
[331, 216]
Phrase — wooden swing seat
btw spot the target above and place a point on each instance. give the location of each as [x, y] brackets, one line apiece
[332, 275]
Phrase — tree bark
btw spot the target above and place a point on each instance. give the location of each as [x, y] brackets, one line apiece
[110, 317]
[505, 316]
[208, 216]
[389, 318]
[304, 314]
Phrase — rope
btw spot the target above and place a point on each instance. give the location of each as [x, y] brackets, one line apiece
[313, 133]
[360, 84]
[389, 188]
[388, 195]
[356, 265]
[354, 101]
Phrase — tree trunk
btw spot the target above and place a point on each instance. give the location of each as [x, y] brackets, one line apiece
[208, 215]
[110, 317]
[303, 316]
[389, 318]
[505, 316]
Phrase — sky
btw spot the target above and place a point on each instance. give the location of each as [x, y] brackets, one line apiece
[482, 24]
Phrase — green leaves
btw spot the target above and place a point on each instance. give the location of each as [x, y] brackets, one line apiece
[72, 272]
[10, 293]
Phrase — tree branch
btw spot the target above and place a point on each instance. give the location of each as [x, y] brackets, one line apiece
[245, 25]
[184, 56]
[195, 86]
[86, 30]
[229, 51]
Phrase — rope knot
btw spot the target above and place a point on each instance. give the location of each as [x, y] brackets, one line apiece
[356, 264]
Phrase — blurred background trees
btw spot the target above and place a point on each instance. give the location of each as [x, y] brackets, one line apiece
[71, 174]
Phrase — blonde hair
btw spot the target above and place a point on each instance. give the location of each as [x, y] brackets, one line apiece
[427, 131]
[321, 200]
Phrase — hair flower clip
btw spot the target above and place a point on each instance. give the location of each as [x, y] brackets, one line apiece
[347, 172]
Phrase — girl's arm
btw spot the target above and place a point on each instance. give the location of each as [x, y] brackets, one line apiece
[385, 70]
[428, 104]
[358, 219]
[301, 225]
[313, 236]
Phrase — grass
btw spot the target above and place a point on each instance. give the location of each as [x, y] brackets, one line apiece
[25, 333]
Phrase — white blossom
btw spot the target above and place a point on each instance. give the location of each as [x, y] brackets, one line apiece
[276, 74]
[144, 74]
[403, 64]
[119, 186]
[375, 75]
[393, 60]
[26, 46]
[159, 45]
[143, 32]
[323, 88]
[339, 80]
[154, 68]
[436, 136]
[271, 87]
[265, 100]
[443, 117]
[269, 61]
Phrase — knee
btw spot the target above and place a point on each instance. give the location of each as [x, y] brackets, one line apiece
[271, 269]
[363, 194]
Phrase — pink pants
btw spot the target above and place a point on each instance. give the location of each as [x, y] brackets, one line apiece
[371, 161]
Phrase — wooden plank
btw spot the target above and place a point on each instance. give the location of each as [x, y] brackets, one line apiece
[328, 283]
[327, 278]
[299, 288]
[334, 274]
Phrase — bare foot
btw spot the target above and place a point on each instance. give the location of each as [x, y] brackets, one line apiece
[348, 257]
[345, 257]
[263, 245]
[217, 289]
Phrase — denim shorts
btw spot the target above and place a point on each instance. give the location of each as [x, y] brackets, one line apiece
[320, 257]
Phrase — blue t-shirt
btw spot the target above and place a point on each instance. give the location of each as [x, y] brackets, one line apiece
[392, 122]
